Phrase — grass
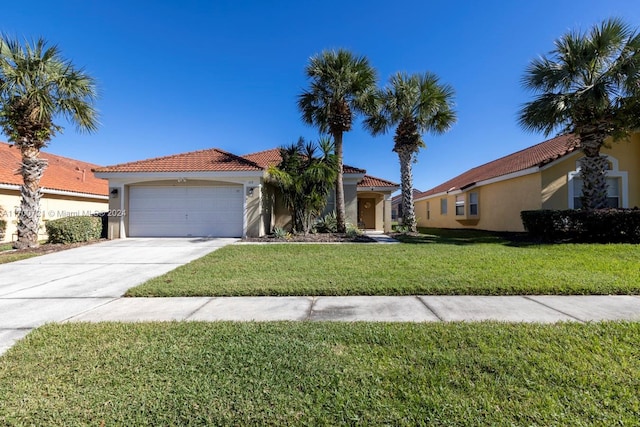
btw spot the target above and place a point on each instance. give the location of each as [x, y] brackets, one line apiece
[323, 374]
[449, 262]
[6, 254]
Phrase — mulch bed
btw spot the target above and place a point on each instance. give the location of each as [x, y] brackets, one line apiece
[47, 248]
[312, 238]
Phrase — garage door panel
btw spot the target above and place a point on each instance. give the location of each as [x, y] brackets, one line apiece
[186, 211]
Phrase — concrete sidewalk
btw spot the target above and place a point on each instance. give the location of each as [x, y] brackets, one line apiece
[21, 315]
[542, 309]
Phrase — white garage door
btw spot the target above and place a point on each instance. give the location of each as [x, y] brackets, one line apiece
[185, 211]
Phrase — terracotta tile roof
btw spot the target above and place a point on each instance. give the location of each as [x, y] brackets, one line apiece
[372, 181]
[265, 158]
[62, 173]
[210, 160]
[537, 155]
[398, 198]
[270, 157]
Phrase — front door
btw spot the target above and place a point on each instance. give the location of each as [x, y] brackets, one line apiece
[367, 213]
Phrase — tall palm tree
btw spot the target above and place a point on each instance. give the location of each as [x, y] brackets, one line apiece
[341, 85]
[588, 86]
[415, 104]
[36, 86]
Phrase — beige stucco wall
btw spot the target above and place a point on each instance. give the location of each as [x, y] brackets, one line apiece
[555, 191]
[500, 203]
[499, 206]
[628, 155]
[351, 202]
[51, 207]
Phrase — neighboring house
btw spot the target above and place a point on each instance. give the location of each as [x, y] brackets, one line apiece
[545, 176]
[68, 188]
[396, 205]
[215, 193]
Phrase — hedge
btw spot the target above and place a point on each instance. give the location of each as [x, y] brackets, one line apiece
[597, 226]
[74, 229]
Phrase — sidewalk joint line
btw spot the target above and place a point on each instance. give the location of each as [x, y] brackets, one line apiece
[528, 297]
[209, 299]
[66, 319]
[313, 303]
[429, 308]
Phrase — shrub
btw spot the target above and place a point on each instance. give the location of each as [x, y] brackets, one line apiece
[327, 223]
[104, 217]
[353, 231]
[599, 226]
[3, 223]
[74, 229]
[280, 233]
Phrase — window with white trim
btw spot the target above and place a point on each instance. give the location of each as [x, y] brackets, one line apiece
[460, 205]
[613, 192]
[473, 204]
[617, 186]
[443, 206]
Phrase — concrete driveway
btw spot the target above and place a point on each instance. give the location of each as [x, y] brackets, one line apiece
[54, 287]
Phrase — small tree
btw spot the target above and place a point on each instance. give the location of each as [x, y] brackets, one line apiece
[305, 177]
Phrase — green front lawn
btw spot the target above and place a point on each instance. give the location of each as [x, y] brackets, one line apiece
[8, 255]
[449, 262]
[323, 374]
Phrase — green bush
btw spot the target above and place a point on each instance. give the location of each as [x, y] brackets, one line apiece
[327, 223]
[3, 223]
[74, 229]
[597, 226]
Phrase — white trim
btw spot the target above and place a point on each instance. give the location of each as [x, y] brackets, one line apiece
[613, 173]
[244, 209]
[15, 187]
[561, 159]
[377, 189]
[443, 193]
[121, 190]
[152, 176]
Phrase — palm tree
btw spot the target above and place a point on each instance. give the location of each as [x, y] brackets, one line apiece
[341, 85]
[587, 86]
[415, 104]
[305, 178]
[36, 86]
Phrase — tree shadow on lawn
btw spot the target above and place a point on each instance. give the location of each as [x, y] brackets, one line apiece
[467, 237]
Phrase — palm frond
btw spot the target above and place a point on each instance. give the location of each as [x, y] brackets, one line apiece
[36, 77]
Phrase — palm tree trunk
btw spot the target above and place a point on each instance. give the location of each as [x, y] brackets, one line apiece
[340, 209]
[29, 217]
[593, 171]
[406, 178]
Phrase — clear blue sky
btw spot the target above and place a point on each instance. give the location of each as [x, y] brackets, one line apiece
[177, 76]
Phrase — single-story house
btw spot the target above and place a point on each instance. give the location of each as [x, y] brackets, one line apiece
[69, 187]
[216, 193]
[544, 176]
[396, 204]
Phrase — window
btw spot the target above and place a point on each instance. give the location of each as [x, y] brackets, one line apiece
[443, 206]
[473, 204]
[617, 186]
[613, 193]
[428, 210]
[460, 204]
